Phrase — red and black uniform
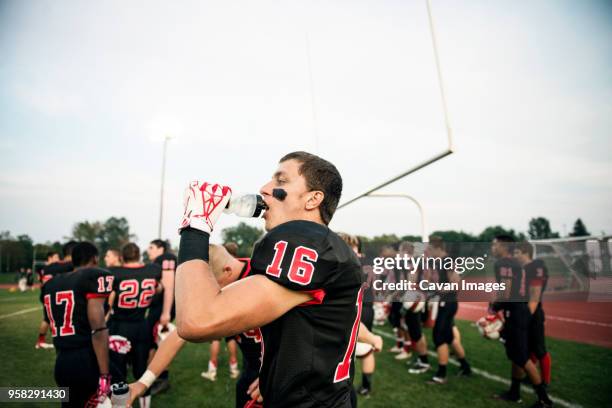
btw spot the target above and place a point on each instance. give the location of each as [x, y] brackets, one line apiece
[414, 319]
[167, 262]
[516, 312]
[250, 347]
[447, 309]
[47, 273]
[395, 314]
[134, 289]
[65, 298]
[308, 352]
[536, 277]
[367, 314]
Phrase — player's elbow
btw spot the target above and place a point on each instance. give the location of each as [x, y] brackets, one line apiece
[194, 331]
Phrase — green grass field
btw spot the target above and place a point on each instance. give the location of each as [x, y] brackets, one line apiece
[580, 372]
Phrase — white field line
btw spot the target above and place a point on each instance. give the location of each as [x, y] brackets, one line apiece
[548, 317]
[490, 376]
[9, 299]
[24, 311]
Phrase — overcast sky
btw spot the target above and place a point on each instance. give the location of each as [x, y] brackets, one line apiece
[88, 88]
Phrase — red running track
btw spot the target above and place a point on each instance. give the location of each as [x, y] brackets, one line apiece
[584, 322]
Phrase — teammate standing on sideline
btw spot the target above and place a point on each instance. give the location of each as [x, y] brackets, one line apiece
[305, 292]
[536, 278]
[112, 258]
[133, 289]
[444, 332]
[516, 322]
[54, 267]
[41, 343]
[74, 302]
[162, 309]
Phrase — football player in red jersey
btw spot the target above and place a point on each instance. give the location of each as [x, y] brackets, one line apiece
[536, 278]
[305, 291]
[74, 303]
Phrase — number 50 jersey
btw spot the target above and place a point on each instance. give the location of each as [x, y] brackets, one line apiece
[65, 300]
[308, 352]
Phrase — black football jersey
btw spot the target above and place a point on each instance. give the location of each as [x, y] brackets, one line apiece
[536, 275]
[441, 276]
[308, 352]
[134, 290]
[65, 300]
[508, 270]
[166, 261]
[249, 341]
[56, 268]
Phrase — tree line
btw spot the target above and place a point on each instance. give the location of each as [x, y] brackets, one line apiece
[21, 251]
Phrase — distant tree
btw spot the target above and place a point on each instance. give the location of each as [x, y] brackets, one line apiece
[16, 252]
[491, 232]
[244, 236]
[412, 238]
[112, 233]
[88, 231]
[579, 229]
[371, 246]
[116, 232]
[539, 228]
[455, 236]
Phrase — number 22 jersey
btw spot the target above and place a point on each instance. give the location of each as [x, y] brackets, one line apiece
[308, 352]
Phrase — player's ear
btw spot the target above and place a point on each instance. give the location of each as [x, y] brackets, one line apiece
[315, 198]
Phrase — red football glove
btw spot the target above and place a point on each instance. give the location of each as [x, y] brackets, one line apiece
[103, 392]
[203, 204]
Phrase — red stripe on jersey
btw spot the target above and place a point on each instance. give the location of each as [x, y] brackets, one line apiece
[248, 267]
[96, 295]
[343, 370]
[317, 297]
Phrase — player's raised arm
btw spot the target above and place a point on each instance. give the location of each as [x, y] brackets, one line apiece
[204, 311]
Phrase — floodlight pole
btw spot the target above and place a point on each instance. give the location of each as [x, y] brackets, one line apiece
[424, 234]
[161, 194]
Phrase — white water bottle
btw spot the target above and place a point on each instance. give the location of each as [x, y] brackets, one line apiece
[246, 205]
[120, 395]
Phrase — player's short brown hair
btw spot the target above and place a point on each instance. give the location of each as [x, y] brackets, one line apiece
[437, 242]
[320, 175]
[232, 248]
[130, 252]
[525, 247]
